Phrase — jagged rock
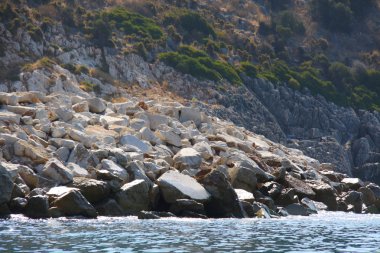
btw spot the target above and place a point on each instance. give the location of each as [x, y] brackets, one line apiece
[10, 117]
[93, 190]
[109, 208]
[353, 183]
[272, 189]
[137, 171]
[243, 178]
[96, 105]
[181, 206]
[156, 120]
[80, 156]
[133, 197]
[301, 188]
[56, 171]
[354, 199]
[6, 185]
[244, 195]
[224, 201]
[297, 209]
[187, 158]
[145, 215]
[37, 207]
[148, 135]
[37, 154]
[77, 171]
[81, 107]
[188, 113]
[369, 197]
[134, 141]
[204, 149]
[174, 185]
[308, 203]
[287, 197]
[169, 137]
[326, 194]
[115, 169]
[17, 205]
[73, 203]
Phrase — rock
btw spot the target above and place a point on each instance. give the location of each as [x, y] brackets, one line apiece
[169, 137]
[204, 149]
[263, 214]
[287, 197]
[353, 183]
[54, 212]
[6, 185]
[58, 132]
[62, 154]
[81, 107]
[56, 171]
[115, 169]
[272, 189]
[109, 208]
[5, 213]
[309, 204]
[64, 114]
[355, 199]
[244, 195]
[145, 215]
[301, 188]
[174, 185]
[38, 155]
[156, 120]
[17, 205]
[10, 117]
[28, 175]
[135, 142]
[93, 190]
[188, 113]
[37, 207]
[326, 194]
[148, 135]
[181, 206]
[136, 171]
[133, 197]
[369, 197]
[248, 209]
[77, 171]
[243, 178]
[187, 158]
[73, 203]
[296, 209]
[96, 105]
[37, 191]
[224, 201]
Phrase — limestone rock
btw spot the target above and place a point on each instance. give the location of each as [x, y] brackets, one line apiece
[134, 141]
[133, 197]
[297, 209]
[115, 169]
[187, 158]
[73, 203]
[6, 185]
[93, 190]
[174, 185]
[243, 178]
[56, 171]
[96, 105]
[36, 154]
[37, 207]
[224, 201]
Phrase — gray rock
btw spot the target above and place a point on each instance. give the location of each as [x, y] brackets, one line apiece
[80, 156]
[17, 205]
[115, 169]
[133, 197]
[37, 207]
[93, 190]
[174, 185]
[134, 141]
[224, 201]
[353, 183]
[6, 185]
[243, 178]
[187, 158]
[297, 209]
[73, 203]
[96, 105]
[57, 172]
[182, 206]
[109, 208]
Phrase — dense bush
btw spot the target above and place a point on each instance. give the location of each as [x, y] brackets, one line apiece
[197, 63]
[190, 24]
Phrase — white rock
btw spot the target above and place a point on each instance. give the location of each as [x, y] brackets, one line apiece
[56, 171]
[134, 141]
[77, 170]
[96, 105]
[148, 135]
[169, 137]
[187, 158]
[115, 169]
[204, 149]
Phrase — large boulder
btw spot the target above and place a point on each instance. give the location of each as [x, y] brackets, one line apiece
[243, 178]
[73, 203]
[353, 183]
[6, 185]
[93, 190]
[169, 136]
[36, 154]
[57, 172]
[326, 194]
[135, 142]
[115, 169]
[109, 208]
[224, 201]
[301, 188]
[186, 207]
[37, 207]
[187, 158]
[354, 201]
[174, 185]
[96, 105]
[80, 156]
[297, 209]
[133, 197]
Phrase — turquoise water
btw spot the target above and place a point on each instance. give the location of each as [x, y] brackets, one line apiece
[326, 232]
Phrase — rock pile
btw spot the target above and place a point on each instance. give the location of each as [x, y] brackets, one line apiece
[72, 155]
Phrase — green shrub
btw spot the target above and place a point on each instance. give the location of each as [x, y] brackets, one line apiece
[289, 20]
[249, 69]
[192, 24]
[197, 63]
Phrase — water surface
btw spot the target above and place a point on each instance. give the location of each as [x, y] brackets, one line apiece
[326, 232]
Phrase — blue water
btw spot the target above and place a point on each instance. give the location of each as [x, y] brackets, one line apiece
[326, 232]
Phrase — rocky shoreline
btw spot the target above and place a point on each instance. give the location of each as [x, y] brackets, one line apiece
[71, 155]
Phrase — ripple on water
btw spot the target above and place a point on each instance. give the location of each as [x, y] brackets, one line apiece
[326, 232]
